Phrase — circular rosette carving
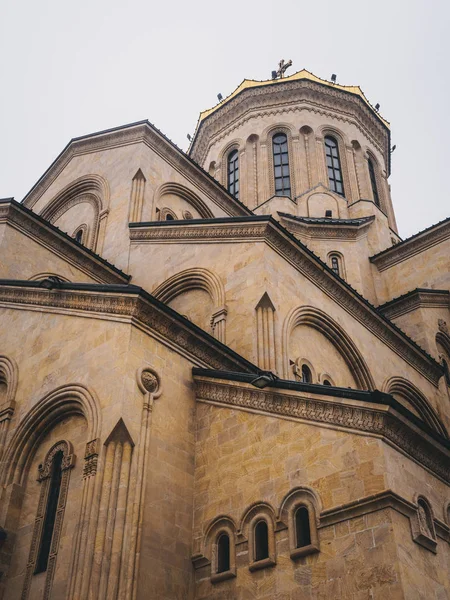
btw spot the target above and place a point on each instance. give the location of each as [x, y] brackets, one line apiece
[149, 381]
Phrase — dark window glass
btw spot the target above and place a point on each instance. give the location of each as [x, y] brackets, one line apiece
[261, 540]
[373, 183]
[50, 514]
[334, 165]
[79, 235]
[302, 531]
[169, 218]
[223, 553]
[233, 173]
[335, 264]
[326, 382]
[306, 374]
[281, 165]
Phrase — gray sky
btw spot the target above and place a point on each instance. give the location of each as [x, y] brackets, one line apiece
[72, 68]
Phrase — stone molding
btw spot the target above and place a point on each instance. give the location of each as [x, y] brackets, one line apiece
[266, 229]
[132, 306]
[419, 298]
[412, 246]
[375, 420]
[380, 501]
[61, 244]
[146, 133]
[295, 96]
[324, 231]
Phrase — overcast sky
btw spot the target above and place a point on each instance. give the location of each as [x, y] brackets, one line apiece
[72, 68]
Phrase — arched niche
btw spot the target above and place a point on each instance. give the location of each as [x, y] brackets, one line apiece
[412, 398]
[328, 345]
[199, 295]
[319, 203]
[84, 202]
[176, 199]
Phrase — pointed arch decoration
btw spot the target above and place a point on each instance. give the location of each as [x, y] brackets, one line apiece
[317, 319]
[198, 279]
[183, 192]
[408, 391]
[265, 334]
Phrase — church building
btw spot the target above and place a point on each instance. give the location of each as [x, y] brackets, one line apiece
[223, 373]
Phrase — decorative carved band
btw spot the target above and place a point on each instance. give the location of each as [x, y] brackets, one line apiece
[145, 310]
[412, 246]
[373, 421]
[91, 458]
[414, 300]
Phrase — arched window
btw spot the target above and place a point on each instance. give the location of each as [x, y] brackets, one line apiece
[302, 530]
[223, 553]
[335, 179]
[233, 173]
[306, 374]
[373, 183]
[50, 513]
[281, 165]
[335, 264]
[261, 540]
[169, 217]
[79, 236]
[326, 382]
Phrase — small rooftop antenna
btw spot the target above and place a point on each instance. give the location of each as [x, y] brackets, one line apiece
[220, 97]
[333, 78]
[377, 107]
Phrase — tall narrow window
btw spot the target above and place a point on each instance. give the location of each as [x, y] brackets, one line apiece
[306, 374]
[373, 183]
[261, 541]
[223, 553]
[233, 173]
[302, 530]
[50, 513]
[79, 236]
[334, 165]
[281, 165]
[335, 265]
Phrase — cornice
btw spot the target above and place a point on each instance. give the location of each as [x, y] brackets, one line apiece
[142, 132]
[130, 304]
[376, 420]
[419, 298]
[343, 231]
[265, 229]
[380, 501]
[414, 245]
[295, 96]
[24, 220]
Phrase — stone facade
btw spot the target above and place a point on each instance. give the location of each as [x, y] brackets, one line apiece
[205, 396]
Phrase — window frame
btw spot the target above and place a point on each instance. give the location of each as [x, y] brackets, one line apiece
[270, 560]
[220, 528]
[285, 191]
[332, 180]
[233, 168]
[373, 182]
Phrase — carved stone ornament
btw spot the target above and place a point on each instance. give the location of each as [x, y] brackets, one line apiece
[442, 326]
[149, 382]
[422, 527]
